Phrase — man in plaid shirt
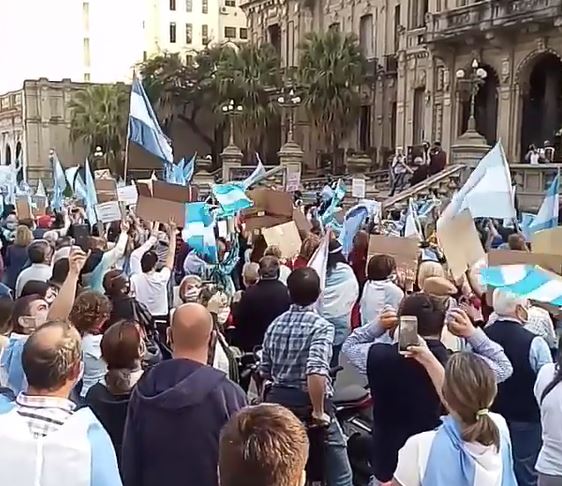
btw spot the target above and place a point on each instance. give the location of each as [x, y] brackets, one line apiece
[297, 350]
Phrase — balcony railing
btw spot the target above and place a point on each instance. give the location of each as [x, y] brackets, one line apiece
[487, 15]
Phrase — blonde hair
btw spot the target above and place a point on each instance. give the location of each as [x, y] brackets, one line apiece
[273, 250]
[429, 269]
[469, 390]
[24, 236]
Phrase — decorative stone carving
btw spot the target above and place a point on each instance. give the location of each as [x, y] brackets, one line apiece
[505, 70]
[446, 79]
[541, 44]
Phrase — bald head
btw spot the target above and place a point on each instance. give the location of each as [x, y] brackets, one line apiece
[51, 356]
[191, 329]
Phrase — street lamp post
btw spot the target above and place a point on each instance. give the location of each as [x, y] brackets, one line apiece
[231, 109]
[474, 79]
[231, 156]
[98, 155]
[289, 100]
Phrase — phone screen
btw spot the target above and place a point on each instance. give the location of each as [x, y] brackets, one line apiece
[408, 332]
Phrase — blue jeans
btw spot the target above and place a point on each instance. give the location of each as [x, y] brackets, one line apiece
[526, 443]
[338, 470]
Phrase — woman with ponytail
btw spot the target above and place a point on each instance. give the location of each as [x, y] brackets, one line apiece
[472, 446]
[548, 392]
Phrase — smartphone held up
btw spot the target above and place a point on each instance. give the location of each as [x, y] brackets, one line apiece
[407, 333]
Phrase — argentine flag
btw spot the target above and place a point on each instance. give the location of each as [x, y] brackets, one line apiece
[199, 231]
[531, 282]
[256, 176]
[488, 192]
[144, 129]
[547, 217]
[231, 198]
[59, 181]
[91, 196]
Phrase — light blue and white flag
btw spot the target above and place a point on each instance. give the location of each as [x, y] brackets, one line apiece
[231, 198]
[198, 231]
[144, 129]
[412, 227]
[328, 217]
[91, 195]
[256, 176]
[526, 223]
[547, 217]
[189, 169]
[180, 173]
[488, 192]
[529, 281]
[319, 259]
[354, 218]
[59, 184]
[41, 189]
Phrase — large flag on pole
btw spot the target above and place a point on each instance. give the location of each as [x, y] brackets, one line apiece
[488, 192]
[547, 217]
[59, 184]
[144, 129]
[91, 195]
[198, 231]
[256, 176]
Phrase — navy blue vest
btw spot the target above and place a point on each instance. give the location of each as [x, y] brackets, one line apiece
[515, 400]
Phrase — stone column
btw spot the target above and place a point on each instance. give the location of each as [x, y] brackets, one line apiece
[231, 156]
[290, 157]
[504, 131]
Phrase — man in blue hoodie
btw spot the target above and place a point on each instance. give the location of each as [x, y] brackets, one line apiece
[178, 409]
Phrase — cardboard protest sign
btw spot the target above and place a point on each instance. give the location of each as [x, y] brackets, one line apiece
[162, 201]
[498, 258]
[128, 195]
[358, 187]
[106, 190]
[404, 251]
[286, 237]
[460, 243]
[303, 224]
[271, 208]
[547, 241]
[109, 211]
[23, 207]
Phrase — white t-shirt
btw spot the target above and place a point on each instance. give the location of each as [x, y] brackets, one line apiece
[151, 289]
[413, 457]
[550, 456]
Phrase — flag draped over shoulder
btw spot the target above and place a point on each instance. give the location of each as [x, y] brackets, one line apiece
[547, 217]
[527, 281]
[144, 129]
[198, 231]
[487, 192]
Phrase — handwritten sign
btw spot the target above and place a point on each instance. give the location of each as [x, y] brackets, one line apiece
[286, 237]
[292, 178]
[128, 194]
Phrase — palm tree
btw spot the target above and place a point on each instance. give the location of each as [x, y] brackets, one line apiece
[249, 74]
[331, 69]
[99, 117]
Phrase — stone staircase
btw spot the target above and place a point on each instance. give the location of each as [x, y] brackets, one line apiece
[442, 185]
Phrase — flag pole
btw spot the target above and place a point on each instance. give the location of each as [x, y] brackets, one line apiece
[126, 164]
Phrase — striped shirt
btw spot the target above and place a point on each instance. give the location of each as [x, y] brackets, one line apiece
[44, 414]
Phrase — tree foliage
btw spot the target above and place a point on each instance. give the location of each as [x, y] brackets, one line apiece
[189, 92]
[99, 117]
[331, 69]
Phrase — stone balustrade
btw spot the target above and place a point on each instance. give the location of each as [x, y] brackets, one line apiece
[532, 181]
[486, 15]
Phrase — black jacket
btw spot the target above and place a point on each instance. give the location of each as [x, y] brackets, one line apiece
[406, 402]
[259, 306]
[175, 416]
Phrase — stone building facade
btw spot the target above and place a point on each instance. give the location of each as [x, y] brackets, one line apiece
[35, 120]
[415, 49]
